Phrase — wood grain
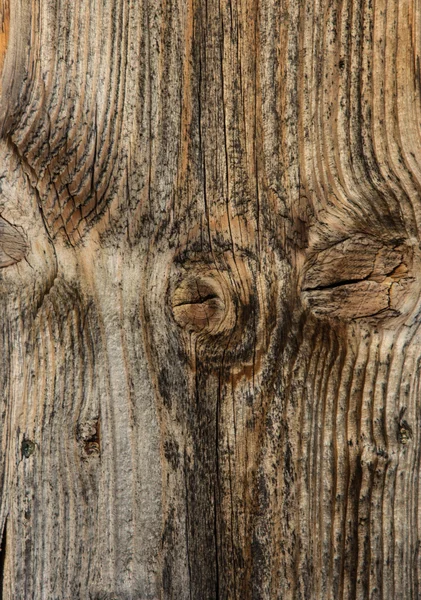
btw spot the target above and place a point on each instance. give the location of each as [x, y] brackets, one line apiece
[4, 30]
[210, 350]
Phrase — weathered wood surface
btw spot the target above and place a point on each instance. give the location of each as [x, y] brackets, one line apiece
[210, 351]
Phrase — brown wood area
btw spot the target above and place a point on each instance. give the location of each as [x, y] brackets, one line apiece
[210, 297]
[4, 29]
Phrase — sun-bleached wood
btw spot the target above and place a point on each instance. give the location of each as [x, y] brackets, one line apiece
[210, 285]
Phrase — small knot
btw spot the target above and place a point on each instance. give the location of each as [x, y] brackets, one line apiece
[88, 435]
[27, 448]
[202, 303]
[217, 305]
[405, 432]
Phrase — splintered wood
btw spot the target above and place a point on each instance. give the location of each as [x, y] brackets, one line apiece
[210, 299]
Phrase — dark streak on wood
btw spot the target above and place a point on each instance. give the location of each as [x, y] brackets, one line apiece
[216, 326]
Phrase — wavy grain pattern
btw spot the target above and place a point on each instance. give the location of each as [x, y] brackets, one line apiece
[210, 356]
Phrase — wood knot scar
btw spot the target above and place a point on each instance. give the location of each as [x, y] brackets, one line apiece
[27, 448]
[202, 304]
[13, 245]
[217, 309]
[88, 436]
[359, 277]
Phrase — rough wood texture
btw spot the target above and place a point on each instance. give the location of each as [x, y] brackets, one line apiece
[210, 223]
[4, 29]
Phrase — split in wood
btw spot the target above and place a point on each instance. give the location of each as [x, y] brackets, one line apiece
[359, 277]
[203, 304]
[217, 303]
